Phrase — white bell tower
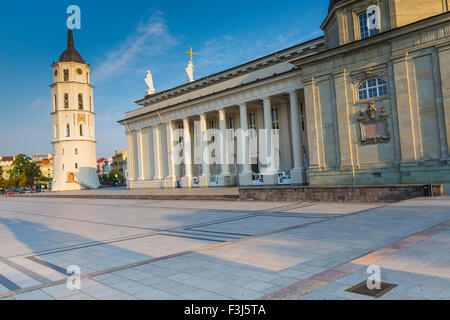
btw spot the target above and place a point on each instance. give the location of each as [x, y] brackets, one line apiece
[73, 119]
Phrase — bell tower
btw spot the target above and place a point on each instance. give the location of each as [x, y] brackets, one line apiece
[73, 120]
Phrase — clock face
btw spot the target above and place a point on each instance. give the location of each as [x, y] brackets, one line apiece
[79, 71]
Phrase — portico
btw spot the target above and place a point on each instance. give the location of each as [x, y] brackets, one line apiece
[221, 146]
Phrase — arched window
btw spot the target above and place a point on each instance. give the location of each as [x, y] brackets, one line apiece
[80, 101]
[76, 151]
[81, 130]
[56, 103]
[76, 165]
[372, 88]
[66, 101]
[68, 130]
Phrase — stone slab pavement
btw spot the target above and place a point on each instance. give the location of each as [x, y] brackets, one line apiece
[221, 250]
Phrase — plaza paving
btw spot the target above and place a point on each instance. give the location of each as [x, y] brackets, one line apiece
[136, 249]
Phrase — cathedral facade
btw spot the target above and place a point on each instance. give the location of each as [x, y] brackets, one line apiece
[367, 103]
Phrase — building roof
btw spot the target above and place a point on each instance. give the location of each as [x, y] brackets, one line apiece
[332, 4]
[7, 158]
[71, 54]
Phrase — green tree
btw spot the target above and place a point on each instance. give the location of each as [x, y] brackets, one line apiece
[111, 178]
[24, 173]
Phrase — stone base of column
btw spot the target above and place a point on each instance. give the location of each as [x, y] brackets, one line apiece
[227, 180]
[186, 182]
[270, 179]
[245, 179]
[170, 183]
[298, 176]
[149, 184]
[205, 180]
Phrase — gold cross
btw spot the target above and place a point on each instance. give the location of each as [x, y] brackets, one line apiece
[191, 53]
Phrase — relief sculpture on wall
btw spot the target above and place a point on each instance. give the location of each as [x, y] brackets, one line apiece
[373, 125]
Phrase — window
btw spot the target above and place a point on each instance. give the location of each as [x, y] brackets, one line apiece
[62, 151]
[66, 74]
[81, 130]
[76, 151]
[66, 101]
[181, 131]
[197, 134]
[76, 165]
[231, 123]
[68, 130]
[364, 31]
[252, 124]
[56, 103]
[372, 88]
[302, 116]
[275, 124]
[80, 101]
[231, 126]
[213, 127]
[90, 103]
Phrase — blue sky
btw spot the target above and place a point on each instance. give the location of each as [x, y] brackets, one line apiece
[121, 40]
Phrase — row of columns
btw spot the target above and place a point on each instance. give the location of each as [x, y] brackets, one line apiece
[156, 146]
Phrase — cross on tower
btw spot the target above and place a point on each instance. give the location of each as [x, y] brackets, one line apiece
[191, 53]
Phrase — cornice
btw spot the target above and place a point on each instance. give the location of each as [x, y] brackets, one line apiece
[287, 55]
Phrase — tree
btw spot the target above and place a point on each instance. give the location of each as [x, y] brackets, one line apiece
[113, 177]
[24, 173]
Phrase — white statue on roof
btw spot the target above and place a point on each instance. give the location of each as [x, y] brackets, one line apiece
[190, 71]
[149, 82]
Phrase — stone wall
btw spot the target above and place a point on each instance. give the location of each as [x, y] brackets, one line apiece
[415, 109]
[387, 193]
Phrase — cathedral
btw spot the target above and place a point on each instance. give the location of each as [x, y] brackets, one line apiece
[367, 103]
[73, 119]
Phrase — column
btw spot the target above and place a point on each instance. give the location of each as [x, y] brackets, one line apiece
[409, 140]
[269, 172]
[245, 177]
[225, 175]
[130, 174]
[147, 150]
[156, 154]
[140, 153]
[135, 157]
[187, 179]
[171, 178]
[298, 172]
[163, 151]
[205, 178]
